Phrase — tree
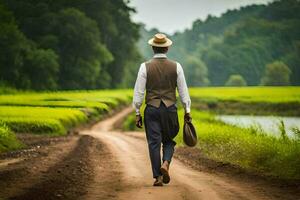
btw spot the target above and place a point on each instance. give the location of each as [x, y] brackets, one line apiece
[216, 63]
[21, 60]
[242, 41]
[81, 52]
[119, 33]
[236, 80]
[92, 39]
[276, 74]
[195, 72]
[13, 47]
[142, 44]
[130, 70]
[45, 64]
[293, 61]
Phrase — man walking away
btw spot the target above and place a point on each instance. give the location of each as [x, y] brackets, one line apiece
[160, 77]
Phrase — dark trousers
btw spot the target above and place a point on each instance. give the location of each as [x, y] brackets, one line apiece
[161, 126]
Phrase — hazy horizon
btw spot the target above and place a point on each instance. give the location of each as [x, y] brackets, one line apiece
[182, 12]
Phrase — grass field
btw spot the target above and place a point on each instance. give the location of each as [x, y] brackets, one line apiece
[284, 101]
[41, 119]
[248, 94]
[53, 113]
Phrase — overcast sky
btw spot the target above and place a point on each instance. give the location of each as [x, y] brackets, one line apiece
[176, 15]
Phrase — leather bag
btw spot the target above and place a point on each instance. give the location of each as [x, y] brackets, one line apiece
[189, 134]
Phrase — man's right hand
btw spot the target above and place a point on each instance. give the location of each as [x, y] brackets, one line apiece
[138, 121]
[187, 117]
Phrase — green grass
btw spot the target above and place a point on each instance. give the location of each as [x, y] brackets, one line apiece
[112, 98]
[284, 101]
[53, 113]
[8, 140]
[246, 147]
[248, 94]
[41, 119]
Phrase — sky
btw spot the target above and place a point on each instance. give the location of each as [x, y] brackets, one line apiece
[170, 16]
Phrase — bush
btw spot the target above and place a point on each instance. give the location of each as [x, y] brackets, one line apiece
[236, 80]
[8, 140]
[276, 73]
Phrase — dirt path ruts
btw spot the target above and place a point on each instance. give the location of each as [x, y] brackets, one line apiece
[30, 165]
[60, 168]
[130, 149]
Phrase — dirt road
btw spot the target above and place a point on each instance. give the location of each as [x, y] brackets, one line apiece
[103, 163]
[130, 149]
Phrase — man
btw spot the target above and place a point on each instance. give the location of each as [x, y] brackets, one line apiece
[160, 77]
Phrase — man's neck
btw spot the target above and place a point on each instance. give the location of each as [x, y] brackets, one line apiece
[160, 55]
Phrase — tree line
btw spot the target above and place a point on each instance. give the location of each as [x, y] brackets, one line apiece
[63, 44]
[253, 45]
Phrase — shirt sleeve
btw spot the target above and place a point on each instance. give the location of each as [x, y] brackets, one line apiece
[139, 88]
[183, 89]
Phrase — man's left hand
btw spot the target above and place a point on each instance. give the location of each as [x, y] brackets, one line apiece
[139, 121]
[187, 117]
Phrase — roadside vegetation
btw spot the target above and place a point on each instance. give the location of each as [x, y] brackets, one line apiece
[8, 140]
[53, 113]
[249, 148]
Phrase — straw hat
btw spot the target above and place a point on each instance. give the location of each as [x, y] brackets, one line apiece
[160, 40]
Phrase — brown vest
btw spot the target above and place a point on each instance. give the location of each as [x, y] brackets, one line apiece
[161, 82]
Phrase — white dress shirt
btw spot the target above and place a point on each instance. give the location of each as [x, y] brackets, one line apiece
[140, 87]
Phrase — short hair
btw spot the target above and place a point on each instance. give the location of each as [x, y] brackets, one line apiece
[160, 49]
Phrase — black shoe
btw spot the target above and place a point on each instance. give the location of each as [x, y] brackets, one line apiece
[165, 172]
[158, 181]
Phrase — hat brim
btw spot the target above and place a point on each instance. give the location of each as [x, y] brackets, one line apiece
[165, 44]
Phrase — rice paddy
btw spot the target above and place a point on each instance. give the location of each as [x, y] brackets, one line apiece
[248, 94]
[53, 113]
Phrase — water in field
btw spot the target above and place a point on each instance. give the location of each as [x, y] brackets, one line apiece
[269, 124]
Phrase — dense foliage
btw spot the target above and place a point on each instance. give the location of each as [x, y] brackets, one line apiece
[241, 41]
[67, 44]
